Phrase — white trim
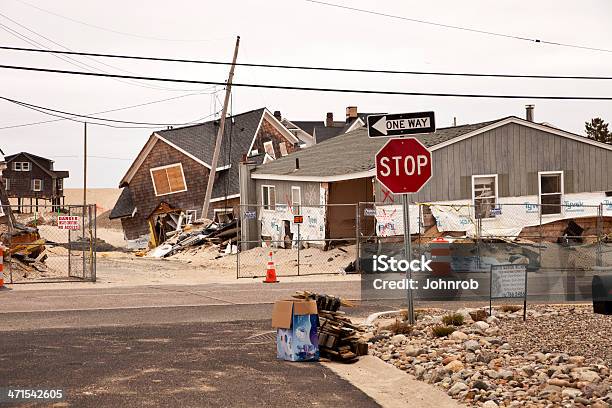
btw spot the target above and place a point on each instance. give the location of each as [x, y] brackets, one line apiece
[280, 127]
[353, 127]
[255, 135]
[474, 176]
[299, 202]
[224, 210]
[152, 169]
[543, 173]
[519, 121]
[321, 179]
[267, 159]
[271, 144]
[40, 188]
[272, 206]
[191, 216]
[214, 200]
[146, 149]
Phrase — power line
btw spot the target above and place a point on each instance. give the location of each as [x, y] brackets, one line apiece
[300, 88]
[454, 27]
[73, 117]
[146, 37]
[76, 62]
[309, 68]
[109, 110]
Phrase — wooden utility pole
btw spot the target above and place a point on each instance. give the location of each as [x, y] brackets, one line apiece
[215, 159]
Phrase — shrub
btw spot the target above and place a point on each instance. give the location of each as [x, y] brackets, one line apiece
[453, 319]
[442, 331]
[400, 327]
[510, 308]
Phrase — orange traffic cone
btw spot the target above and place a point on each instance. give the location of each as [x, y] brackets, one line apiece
[271, 271]
[1, 266]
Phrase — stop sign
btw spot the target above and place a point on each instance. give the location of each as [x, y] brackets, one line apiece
[403, 165]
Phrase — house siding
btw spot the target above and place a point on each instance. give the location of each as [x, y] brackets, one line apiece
[311, 191]
[21, 181]
[516, 154]
[143, 192]
[268, 133]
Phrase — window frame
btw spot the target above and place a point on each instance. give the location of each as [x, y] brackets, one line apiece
[7, 183]
[191, 216]
[23, 166]
[561, 193]
[59, 184]
[271, 144]
[299, 205]
[180, 165]
[474, 177]
[270, 205]
[34, 185]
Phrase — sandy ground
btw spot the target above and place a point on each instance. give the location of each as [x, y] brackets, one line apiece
[253, 262]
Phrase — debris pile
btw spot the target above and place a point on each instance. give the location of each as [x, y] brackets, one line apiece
[26, 248]
[224, 236]
[339, 338]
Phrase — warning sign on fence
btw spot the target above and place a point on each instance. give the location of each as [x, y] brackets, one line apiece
[69, 222]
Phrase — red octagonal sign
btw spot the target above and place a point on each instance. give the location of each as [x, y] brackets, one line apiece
[403, 165]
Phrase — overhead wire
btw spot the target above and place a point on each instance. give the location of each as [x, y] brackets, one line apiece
[76, 62]
[313, 68]
[461, 28]
[317, 89]
[146, 37]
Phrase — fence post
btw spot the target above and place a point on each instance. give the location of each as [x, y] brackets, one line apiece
[541, 236]
[599, 256]
[357, 237]
[298, 249]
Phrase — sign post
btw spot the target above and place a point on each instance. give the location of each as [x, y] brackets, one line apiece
[403, 166]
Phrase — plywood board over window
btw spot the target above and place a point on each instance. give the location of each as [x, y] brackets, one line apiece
[168, 179]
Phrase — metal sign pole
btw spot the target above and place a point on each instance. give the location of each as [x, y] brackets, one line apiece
[408, 256]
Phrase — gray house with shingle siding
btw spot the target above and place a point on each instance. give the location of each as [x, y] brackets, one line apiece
[171, 171]
[479, 163]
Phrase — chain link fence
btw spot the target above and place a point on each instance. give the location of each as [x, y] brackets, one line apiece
[562, 246]
[49, 243]
[324, 242]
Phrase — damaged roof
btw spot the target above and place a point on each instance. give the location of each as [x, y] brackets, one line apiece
[351, 152]
[124, 207]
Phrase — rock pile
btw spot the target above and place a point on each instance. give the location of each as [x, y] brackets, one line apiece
[476, 365]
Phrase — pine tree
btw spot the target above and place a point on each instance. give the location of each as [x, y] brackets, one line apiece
[597, 129]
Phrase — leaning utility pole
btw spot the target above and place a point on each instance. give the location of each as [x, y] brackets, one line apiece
[84, 166]
[215, 159]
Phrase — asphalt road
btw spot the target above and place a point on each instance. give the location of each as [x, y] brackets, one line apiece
[221, 364]
[187, 346]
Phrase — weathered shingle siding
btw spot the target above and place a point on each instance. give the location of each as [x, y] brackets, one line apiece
[21, 181]
[268, 133]
[144, 196]
[516, 153]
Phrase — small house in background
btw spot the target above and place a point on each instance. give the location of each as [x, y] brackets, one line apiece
[312, 132]
[32, 181]
[166, 184]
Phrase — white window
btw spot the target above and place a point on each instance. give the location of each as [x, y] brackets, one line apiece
[268, 197]
[283, 149]
[269, 149]
[484, 194]
[223, 215]
[551, 191]
[21, 166]
[168, 179]
[60, 184]
[37, 184]
[190, 216]
[296, 200]
[7, 184]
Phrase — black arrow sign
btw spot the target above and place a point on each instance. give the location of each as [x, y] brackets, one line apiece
[401, 124]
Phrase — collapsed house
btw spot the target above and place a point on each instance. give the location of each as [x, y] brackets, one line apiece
[164, 188]
[501, 177]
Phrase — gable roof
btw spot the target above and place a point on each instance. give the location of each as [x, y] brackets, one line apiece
[39, 162]
[351, 155]
[124, 207]
[198, 143]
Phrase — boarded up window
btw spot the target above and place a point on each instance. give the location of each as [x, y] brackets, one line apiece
[269, 148]
[168, 179]
[283, 148]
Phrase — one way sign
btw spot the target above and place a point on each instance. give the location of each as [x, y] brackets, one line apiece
[401, 124]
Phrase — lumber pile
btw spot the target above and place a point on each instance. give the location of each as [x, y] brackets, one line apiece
[339, 338]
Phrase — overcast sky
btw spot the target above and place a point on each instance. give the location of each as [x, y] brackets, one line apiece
[289, 32]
